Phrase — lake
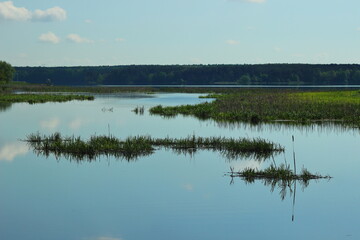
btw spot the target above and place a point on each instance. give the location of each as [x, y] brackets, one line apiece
[167, 195]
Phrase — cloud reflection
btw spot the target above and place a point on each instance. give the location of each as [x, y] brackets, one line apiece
[104, 238]
[242, 165]
[10, 151]
[76, 124]
[50, 124]
[188, 187]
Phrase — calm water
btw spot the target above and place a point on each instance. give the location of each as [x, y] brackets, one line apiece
[165, 195]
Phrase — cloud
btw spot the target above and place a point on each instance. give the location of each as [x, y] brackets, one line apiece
[50, 124]
[49, 37]
[9, 12]
[12, 150]
[88, 21]
[232, 42]
[12, 13]
[49, 15]
[77, 39]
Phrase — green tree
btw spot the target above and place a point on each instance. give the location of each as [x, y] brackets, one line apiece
[244, 79]
[6, 72]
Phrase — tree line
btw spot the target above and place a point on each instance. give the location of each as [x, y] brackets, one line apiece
[264, 74]
[6, 72]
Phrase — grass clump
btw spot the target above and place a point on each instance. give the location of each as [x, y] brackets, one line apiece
[134, 147]
[280, 173]
[78, 149]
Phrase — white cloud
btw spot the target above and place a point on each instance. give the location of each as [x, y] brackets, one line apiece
[77, 39]
[232, 42]
[12, 13]
[12, 150]
[51, 14]
[50, 124]
[9, 12]
[49, 37]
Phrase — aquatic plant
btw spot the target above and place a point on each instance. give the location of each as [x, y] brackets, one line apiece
[274, 173]
[42, 98]
[139, 110]
[134, 147]
[287, 106]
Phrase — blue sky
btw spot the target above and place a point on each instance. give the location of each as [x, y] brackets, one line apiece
[117, 32]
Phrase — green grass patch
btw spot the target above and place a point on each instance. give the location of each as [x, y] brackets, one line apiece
[134, 147]
[274, 105]
[41, 98]
[280, 173]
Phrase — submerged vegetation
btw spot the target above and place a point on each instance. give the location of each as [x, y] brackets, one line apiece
[274, 105]
[41, 98]
[134, 147]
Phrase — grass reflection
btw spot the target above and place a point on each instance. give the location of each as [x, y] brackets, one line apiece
[281, 178]
[4, 106]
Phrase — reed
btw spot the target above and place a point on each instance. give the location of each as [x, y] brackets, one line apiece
[139, 110]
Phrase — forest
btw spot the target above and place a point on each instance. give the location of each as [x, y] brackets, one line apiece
[258, 74]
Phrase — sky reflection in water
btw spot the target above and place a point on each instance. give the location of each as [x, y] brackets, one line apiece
[168, 196]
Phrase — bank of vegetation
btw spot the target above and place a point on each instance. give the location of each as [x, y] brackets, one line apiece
[133, 147]
[261, 105]
[41, 98]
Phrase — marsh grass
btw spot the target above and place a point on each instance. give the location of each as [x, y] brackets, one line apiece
[133, 147]
[275, 174]
[139, 110]
[41, 98]
[280, 106]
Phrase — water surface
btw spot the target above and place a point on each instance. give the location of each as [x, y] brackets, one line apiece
[165, 195]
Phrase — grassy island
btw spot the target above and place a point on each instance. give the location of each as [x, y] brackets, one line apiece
[134, 147]
[41, 98]
[282, 172]
[274, 105]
